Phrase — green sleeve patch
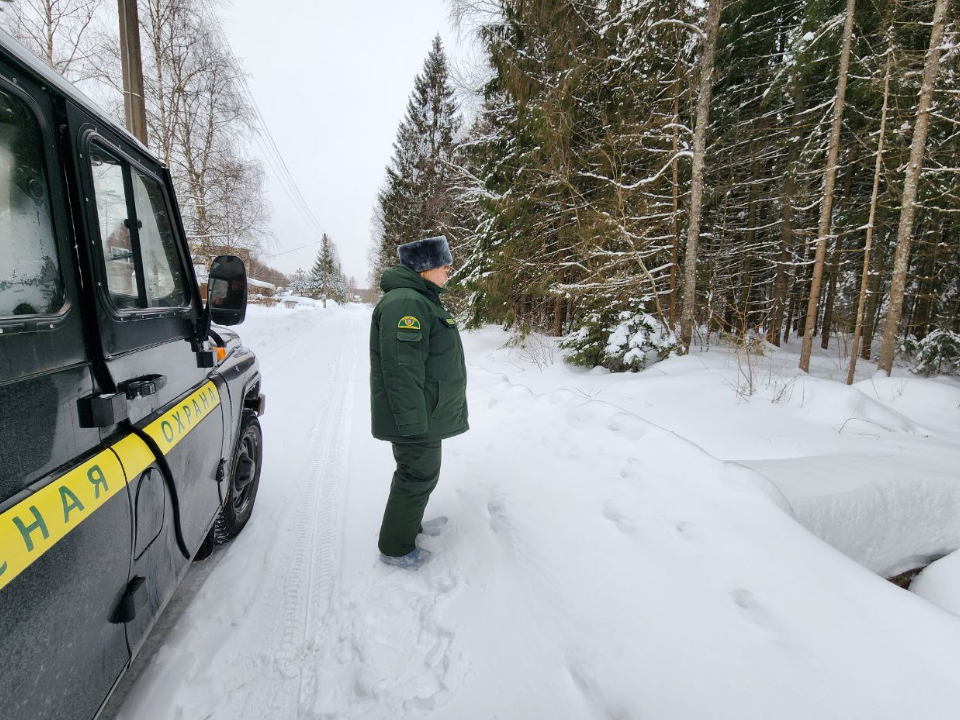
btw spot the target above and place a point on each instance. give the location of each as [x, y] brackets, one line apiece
[408, 322]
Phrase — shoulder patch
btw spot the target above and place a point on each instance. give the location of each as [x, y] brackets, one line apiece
[450, 321]
[408, 322]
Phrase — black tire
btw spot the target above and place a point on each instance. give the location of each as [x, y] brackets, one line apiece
[244, 479]
[206, 548]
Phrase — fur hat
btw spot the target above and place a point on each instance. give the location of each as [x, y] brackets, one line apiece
[426, 254]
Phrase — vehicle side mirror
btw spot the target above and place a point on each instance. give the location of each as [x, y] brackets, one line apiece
[227, 290]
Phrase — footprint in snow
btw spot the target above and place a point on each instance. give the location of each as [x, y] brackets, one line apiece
[631, 471]
[623, 523]
[629, 426]
[751, 608]
[389, 651]
[583, 679]
[497, 510]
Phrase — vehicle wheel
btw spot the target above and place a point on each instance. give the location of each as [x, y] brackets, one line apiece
[244, 480]
[206, 548]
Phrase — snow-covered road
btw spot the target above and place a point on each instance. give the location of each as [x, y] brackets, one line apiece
[595, 566]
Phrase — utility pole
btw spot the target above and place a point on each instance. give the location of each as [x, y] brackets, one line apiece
[135, 111]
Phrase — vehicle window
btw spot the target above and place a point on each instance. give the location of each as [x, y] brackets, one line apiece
[163, 275]
[115, 238]
[30, 280]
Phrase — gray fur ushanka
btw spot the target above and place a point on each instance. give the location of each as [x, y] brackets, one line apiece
[426, 254]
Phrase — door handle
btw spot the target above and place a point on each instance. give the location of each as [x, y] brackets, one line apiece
[143, 386]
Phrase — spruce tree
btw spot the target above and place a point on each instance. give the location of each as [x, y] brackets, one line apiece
[325, 274]
[300, 284]
[417, 199]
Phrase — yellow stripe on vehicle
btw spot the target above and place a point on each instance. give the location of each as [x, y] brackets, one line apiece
[34, 525]
[171, 427]
[135, 456]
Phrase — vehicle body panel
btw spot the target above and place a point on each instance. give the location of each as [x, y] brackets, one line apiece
[98, 523]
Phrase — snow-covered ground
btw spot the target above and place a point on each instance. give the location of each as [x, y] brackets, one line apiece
[619, 546]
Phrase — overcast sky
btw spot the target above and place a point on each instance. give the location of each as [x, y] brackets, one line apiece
[332, 80]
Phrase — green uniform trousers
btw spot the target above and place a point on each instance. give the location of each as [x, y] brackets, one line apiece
[418, 469]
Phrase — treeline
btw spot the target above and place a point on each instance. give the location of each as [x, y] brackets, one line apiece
[635, 159]
[200, 116]
[587, 154]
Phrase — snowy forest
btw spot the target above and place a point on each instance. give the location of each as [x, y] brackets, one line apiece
[676, 172]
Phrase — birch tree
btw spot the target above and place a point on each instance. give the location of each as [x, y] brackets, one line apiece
[60, 32]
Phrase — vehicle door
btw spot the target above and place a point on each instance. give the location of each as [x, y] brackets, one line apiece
[147, 311]
[65, 514]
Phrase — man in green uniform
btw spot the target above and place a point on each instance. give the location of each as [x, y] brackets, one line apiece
[418, 382]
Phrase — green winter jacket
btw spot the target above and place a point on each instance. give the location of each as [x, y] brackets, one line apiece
[418, 378]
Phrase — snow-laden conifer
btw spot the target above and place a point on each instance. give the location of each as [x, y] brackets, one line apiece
[416, 199]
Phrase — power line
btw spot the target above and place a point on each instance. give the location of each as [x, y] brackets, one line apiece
[317, 242]
[268, 146]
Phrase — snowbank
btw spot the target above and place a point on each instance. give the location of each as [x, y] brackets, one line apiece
[870, 469]
[940, 583]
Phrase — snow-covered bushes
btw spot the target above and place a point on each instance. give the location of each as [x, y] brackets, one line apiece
[937, 354]
[627, 341]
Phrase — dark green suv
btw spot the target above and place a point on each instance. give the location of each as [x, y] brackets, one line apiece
[129, 439]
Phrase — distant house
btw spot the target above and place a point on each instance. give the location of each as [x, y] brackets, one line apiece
[259, 291]
[368, 295]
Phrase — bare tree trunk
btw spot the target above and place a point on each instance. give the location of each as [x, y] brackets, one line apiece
[836, 263]
[801, 288]
[831, 294]
[793, 300]
[781, 290]
[714, 9]
[877, 170]
[871, 318]
[829, 181]
[907, 207]
[675, 250]
[558, 306]
[746, 282]
[923, 301]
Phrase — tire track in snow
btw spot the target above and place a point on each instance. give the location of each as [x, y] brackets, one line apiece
[249, 661]
[312, 574]
[297, 341]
